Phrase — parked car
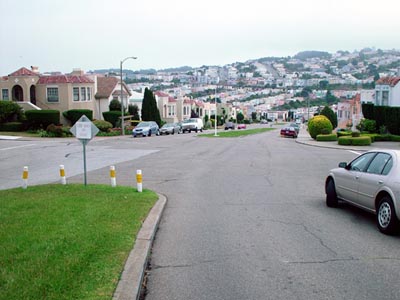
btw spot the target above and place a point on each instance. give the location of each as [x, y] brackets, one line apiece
[146, 128]
[241, 126]
[295, 126]
[263, 121]
[371, 182]
[289, 131]
[229, 125]
[170, 128]
[192, 124]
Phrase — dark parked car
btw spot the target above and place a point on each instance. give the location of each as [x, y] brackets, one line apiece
[170, 128]
[371, 182]
[229, 125]
[146, 128]
[289, 131]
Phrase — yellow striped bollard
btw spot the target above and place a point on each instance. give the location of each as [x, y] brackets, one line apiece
[63, 179]
[25, 178]
[139, 180]
[112, 176]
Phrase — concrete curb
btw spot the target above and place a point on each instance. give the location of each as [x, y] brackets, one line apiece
[132, 276]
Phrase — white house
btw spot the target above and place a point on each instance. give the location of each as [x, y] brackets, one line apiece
[387, 91]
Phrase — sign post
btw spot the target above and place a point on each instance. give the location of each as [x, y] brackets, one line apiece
[84, 130]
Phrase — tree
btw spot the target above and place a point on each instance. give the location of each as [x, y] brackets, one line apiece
[240, 117]
[330, 98]
[115, 105]
[134, 111]
[150, 110]
[329, 113]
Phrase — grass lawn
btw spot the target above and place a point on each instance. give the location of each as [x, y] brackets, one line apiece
[236, 133]
[67, 242]
[19, 133]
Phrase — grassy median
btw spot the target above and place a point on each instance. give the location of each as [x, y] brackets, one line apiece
[67, 242]
[236, 133]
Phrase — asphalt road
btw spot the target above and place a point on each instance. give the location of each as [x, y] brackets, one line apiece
[246, 218]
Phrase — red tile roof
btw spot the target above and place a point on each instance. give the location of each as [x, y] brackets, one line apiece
[23, 72]
[105, 86]
[171, 99]
[161, 94]
[58, 79]
[392, 81]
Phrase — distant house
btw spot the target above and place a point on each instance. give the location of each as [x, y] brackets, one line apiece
[387, 91]
[349, 112]
[32, 90]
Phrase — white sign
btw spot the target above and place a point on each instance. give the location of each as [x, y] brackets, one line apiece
[84, 130]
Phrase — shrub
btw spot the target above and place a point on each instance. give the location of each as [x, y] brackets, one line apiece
[318, 124]
[367, 125]
[355, 134]
[42, 118]
[326, 137]
[103, 126]
[344, 140]
[54, 130]
[325, 131]
[343, 133]
[112, 117]
[114, 105]
[355, 141]
[74, 115]
[11, 126]
[330, 114]
[10, 111]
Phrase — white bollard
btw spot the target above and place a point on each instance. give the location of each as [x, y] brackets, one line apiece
[25, 178]
[63, 180]
[139, 180]
[112, 176]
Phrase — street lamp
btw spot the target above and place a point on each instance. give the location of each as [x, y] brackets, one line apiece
[122, 98]
[216, 111]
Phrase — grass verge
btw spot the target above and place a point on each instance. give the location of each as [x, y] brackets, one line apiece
[67, 242]
[236, 133]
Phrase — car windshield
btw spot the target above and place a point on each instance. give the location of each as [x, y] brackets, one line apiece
[144, 124]
[188, 121]
[168, 125]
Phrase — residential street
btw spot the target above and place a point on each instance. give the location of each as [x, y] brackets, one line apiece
[246, 219]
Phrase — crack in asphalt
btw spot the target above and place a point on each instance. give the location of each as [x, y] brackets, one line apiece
[341, 259]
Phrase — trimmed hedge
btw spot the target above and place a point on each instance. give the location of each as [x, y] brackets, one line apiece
[74, 115]
[343, 133]
[12, 126]
[112, 117]
[103, 126]
[326, 137]
[354, 141]
[41, 118]
[10, 111]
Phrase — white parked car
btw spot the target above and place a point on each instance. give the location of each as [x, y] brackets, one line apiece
[192, 124]
[371, 182]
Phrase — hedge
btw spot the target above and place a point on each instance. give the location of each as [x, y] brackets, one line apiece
[318, 125]
[10, 111]
[112, 117]
[384, 116]
[103, 126]
[343, 133]
[41, 118]
[354, 141]
[74, 115]
[326, 137]
[12, 126]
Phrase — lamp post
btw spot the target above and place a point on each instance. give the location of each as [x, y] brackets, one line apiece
[216, 113]
[122, 98]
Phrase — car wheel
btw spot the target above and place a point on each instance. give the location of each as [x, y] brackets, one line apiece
[331, 197]
[173, 131]
[158, 132]
[196, 130]
[386, 219]
[149, 133]
[190, 131]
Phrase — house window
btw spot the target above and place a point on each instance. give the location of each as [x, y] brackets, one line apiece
[89, 93]
[83, 94]
[52, 94]
[4, 94]
[76, 93]
[385, 98]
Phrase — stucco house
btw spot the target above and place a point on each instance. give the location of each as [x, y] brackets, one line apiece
[349, 112]
[32, 90]
[387, 91]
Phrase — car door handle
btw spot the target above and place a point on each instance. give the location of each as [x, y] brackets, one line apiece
[357, 177]
[380, 182]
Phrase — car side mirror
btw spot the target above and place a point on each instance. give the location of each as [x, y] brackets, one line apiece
[343, 165]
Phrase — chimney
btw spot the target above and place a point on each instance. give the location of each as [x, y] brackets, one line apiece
[77, 72]
[35, 69]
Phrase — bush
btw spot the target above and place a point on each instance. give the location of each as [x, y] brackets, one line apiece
[355, 141]
[113, 117]
[10, 111]
[103, 126]
[326, 137]
[41, 118]
[355, 134]
[343, 133]
[54, 130]
[74, 115]
[114, 105]
[12, 126]
[319, 124]
[367, 125]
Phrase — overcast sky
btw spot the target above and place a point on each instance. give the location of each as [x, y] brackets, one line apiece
[59, 35]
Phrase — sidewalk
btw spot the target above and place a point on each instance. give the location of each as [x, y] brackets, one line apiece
[305, 139]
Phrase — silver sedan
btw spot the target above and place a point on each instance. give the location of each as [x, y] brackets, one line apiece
[371, 182]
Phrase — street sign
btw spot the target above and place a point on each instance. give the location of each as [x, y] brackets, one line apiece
[84, 130]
